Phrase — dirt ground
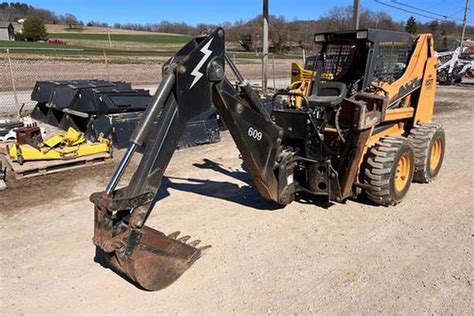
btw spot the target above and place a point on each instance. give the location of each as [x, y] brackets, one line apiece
[415, 258]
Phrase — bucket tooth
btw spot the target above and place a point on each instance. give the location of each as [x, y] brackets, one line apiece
[174, 235]
[194, 243]
[184, 238]
[204, 249]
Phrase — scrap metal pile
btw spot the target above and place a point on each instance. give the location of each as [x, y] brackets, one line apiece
[100, 108]
[30, 145]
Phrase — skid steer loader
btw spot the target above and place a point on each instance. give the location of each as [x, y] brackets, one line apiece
[365, 127]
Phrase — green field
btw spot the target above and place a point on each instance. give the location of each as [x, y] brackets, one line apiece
[32, 45]
[56, 50]
[69, 50]
[139, 38]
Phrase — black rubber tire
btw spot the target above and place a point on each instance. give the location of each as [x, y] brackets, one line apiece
[381, 168]
[422, 138]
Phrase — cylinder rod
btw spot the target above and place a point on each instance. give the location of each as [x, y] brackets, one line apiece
[141, 131]
[152, 111]
[121, 168]
[234, 69]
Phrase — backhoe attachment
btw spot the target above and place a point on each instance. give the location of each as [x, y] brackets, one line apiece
[194, 80]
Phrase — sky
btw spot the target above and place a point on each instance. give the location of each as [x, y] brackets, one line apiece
[217, 11]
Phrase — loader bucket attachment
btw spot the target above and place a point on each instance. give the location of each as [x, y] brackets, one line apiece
[145, 256]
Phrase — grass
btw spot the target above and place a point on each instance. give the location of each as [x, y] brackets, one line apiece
[74, 29]
[58, 50]
[139, 38]
[32, 45]
[91, 53]
[39, 48]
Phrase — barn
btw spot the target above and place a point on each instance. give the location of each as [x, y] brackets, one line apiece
[7, 32]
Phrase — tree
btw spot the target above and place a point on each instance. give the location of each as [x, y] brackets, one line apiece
[14, 11]
[448, 27]
[411, 25]
[34, 29]
[247, 42]
[339, 18]
[433, 27]
[278, 33]
[445, 43]
[70, 20]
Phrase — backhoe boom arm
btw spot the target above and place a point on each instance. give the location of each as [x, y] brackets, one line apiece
[191, 85]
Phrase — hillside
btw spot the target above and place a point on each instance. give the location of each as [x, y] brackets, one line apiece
[96, 39]
[59, 28]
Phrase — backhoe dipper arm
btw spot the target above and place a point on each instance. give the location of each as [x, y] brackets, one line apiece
[256, 136]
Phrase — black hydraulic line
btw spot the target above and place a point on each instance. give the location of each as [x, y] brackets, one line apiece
[250, 94]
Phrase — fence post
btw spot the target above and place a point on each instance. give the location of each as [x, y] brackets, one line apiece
[106, 66]
[273, 70]
[15, 96]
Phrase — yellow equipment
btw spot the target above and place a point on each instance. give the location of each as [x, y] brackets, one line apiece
[301, 83]
[403, 88]
[70, 145]
[302, 80]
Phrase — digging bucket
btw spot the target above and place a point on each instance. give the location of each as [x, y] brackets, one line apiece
[145, 256]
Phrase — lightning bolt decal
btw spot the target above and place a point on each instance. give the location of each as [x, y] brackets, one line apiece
[196, 73]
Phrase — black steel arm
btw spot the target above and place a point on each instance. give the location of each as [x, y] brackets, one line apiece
[195, 80]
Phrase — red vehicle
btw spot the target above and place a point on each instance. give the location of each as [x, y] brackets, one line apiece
[56, 41]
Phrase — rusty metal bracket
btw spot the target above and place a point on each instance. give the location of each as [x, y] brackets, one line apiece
[107, 202]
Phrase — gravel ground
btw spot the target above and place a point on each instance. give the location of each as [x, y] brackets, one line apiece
[415, 258]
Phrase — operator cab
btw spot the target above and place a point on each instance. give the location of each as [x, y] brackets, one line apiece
[348, 62]
[358, 58]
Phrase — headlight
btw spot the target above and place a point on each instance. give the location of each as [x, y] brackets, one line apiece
[318, 38]
[361, 34]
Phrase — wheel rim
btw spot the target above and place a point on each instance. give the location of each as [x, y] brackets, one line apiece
[403, 172]
[435, 154]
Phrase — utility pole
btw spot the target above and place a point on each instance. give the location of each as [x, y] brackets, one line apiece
[265, 47]
[108, 35]
[356, 14]
[466, 13]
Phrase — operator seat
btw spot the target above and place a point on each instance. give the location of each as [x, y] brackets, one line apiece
[329, 94]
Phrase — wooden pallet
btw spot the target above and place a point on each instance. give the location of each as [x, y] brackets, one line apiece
[31, 169]
[3, 147]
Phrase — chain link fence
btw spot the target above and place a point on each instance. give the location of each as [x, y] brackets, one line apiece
[19, 71]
